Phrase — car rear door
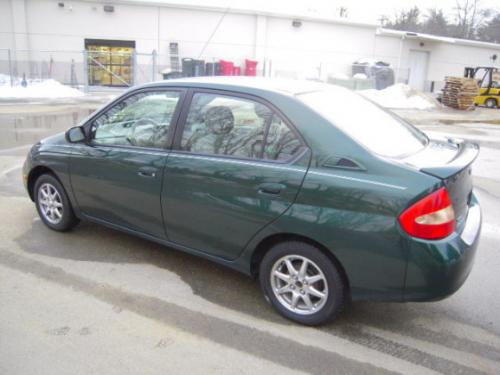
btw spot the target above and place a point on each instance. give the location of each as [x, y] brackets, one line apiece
[117, 175]
[236, 165]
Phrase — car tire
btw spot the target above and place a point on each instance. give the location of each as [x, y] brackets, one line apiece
[304, 288]
[491, 103]
[53, 205]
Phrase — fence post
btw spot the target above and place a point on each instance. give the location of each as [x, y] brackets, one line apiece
[73, 79]
[134, 68]
[85, 71]
[9, 57]
[153, 73]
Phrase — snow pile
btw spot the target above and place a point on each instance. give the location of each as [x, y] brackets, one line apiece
[46, 88]
[400, 96]
[360, 76]
[338, 75]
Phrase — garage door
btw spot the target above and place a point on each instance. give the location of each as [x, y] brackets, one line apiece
[418, 69]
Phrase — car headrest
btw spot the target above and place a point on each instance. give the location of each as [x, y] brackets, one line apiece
[219, 120]
[262, 111]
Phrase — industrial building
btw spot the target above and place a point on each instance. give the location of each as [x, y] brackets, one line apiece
[124, 42]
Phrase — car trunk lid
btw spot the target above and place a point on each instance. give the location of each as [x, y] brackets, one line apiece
[449, 160]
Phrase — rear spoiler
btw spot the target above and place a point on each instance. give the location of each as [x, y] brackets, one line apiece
[467, 153]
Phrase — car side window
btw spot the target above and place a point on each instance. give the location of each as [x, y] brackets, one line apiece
[281, 142]
[141, 120]
[225, 125]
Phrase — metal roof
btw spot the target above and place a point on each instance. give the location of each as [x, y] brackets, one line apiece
[436, 38]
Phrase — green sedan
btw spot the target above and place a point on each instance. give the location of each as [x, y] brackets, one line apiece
[319, 193]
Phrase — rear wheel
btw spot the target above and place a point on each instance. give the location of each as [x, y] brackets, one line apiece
[490, 103]
[53, 204]
[302, 283]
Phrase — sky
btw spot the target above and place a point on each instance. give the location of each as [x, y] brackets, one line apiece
[359, 10]
[371, 11]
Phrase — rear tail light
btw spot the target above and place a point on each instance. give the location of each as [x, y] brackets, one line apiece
[431, 217]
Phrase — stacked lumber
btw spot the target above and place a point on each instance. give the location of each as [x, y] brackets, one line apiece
[459, 92]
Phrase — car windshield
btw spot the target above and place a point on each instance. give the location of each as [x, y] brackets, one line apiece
[374, 127]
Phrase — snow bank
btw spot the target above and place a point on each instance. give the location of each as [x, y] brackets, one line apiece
[360, 76]
[400, 96]
[47, 88]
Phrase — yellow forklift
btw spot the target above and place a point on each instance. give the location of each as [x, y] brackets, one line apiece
[488, 79]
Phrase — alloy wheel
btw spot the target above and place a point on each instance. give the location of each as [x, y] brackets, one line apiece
[50, 203]
[299, 284]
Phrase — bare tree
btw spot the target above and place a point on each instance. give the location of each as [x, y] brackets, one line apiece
[435, 23]
[407, 20]
[343, 12]
[469, 18]
[490, 31]
[470, 22]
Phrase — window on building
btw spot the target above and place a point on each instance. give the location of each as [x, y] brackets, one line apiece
[109, 62]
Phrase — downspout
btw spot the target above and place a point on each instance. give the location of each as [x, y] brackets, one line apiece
[401, 42]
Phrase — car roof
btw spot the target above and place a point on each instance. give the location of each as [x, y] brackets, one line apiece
[241, 83]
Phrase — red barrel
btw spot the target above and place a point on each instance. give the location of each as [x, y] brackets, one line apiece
[250, 67]
[236, 71]
[226, 68]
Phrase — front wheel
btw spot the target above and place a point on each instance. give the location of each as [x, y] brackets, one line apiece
[302, 283]
[490, 103]
[53, 204]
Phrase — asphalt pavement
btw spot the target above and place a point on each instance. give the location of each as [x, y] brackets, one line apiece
[99, 301]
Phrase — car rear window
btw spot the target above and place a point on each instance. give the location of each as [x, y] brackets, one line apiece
[367, 123]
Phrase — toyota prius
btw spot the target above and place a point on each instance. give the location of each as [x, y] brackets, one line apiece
[317, 192]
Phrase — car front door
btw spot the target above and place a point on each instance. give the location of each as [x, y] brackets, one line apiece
[117, 175]
[236, 165]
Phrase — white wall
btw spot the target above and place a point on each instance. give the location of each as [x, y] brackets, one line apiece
[64, 29]
[333, 46]
[445, 59]
[449, 59]
[316, 48]
[234, 39]
[239, 36]
[6, 26]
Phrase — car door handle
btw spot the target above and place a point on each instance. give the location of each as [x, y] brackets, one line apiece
[147, 172]
[271, 188]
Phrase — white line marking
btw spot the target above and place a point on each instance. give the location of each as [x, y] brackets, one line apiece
[17, 148]
[7, 171]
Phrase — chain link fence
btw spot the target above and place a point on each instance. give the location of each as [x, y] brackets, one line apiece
[94, 70]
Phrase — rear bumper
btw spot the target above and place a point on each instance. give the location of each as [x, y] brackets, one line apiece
[437, 269]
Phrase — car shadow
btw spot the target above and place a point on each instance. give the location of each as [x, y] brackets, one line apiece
[95, 243]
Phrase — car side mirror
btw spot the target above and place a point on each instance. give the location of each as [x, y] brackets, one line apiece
[75, 134]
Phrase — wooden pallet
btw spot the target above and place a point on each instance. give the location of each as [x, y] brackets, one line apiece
[459, 92]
